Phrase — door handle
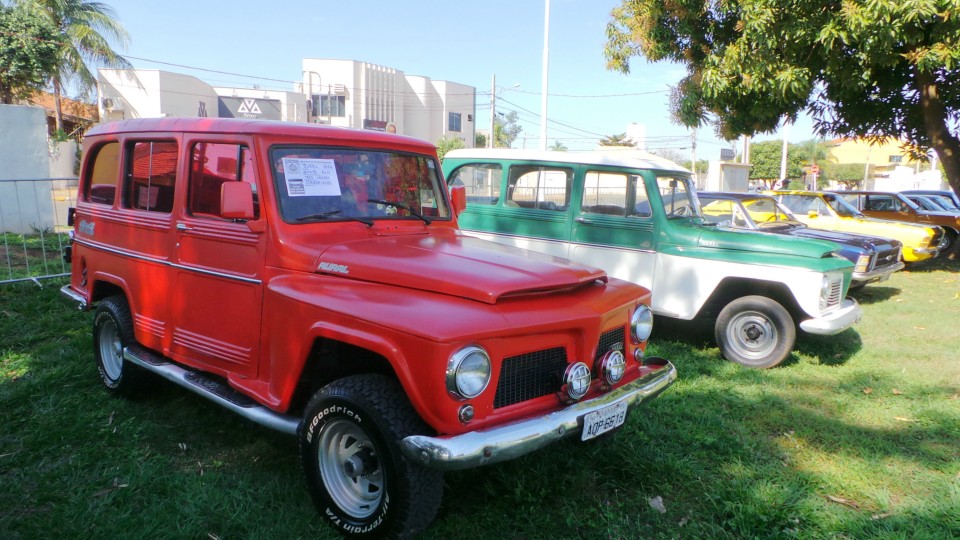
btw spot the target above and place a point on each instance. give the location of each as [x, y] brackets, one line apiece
[182, 227]
[583, 220]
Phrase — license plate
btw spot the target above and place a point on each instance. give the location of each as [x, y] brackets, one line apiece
[599, 422]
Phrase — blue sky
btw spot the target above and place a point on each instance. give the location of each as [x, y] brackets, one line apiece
[463, 42]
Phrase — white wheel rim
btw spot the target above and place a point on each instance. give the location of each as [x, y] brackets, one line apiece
[752, 335]
[111, 350]
[350, 468]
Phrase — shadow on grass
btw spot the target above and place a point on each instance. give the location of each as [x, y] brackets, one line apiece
[828, 350]
[939, 264]
[728, 455]
[874, 294]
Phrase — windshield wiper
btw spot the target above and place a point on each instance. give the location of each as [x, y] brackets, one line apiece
[331, 213]
[401, 206]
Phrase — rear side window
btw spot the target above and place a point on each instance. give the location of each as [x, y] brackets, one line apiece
[481, 181]
[105, 165]
[151, 172]
[211, 165]
[543, 188]
[614, 194]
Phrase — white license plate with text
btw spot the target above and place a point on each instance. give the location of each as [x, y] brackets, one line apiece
[599, 422]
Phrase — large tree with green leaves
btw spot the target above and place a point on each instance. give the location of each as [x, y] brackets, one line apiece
[88, 27]
[766, 157]
[29, 49]
[868, 69]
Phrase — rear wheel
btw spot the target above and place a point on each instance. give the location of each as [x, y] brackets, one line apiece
[755, 331]
[357, 476]
[112, 332]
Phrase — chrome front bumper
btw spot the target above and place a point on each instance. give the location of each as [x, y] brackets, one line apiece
[513, 440]
[836, 321]
[878, 273]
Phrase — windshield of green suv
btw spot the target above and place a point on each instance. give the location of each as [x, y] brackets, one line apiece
[329, 184]
[678, 195]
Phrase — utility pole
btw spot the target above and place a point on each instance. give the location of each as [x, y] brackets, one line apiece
[546, 72]
[493, 110]
[783, 157]
[693, 157]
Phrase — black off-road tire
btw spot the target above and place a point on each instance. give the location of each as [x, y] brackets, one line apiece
[359, 480]
[112, 331]
[755, 331]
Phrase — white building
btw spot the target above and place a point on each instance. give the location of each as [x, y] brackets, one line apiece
[345, 93]
[361, 95]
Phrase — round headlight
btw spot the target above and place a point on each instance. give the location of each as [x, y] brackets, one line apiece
[612, 366]
[577, 380]
[641, 324]
[824, 292]
[468, 372]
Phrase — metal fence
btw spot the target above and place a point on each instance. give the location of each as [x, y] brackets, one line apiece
[33, 224]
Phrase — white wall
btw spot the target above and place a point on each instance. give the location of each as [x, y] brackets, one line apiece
[24, 206]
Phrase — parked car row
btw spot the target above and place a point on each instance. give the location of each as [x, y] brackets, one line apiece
[832, 211]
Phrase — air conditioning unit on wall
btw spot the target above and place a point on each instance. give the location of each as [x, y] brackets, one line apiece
[111, 104]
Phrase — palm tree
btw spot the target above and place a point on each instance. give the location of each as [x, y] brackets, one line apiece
[558, 146]
[88, 28]
[619, 139]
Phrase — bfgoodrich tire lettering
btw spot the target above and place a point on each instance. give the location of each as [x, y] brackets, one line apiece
[356, 474]
[112, 331]
[755, 331]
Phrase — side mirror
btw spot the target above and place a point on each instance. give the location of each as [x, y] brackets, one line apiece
[236, 200]
[813, 214]
[458, 198]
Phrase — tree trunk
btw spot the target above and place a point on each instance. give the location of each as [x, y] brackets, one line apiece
[945, 143]
[56, 105]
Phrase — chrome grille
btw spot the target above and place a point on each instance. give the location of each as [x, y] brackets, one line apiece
[887, 258]
[608, 340]
[529, 376]
[836, 287]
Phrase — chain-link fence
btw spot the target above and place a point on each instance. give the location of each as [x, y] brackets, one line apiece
[33, 226]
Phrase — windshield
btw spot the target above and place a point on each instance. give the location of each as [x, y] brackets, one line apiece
[678, 196]
[330, 184]
[840, 206]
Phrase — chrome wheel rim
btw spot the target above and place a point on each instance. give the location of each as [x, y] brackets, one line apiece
[111, 350]
[752, 335]
[350, 468]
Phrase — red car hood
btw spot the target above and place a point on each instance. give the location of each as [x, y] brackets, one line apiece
[453, 264]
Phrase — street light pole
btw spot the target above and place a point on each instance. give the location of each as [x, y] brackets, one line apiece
[546, 72]
[493, 110]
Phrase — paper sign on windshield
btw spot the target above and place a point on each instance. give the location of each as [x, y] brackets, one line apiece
[311, 177]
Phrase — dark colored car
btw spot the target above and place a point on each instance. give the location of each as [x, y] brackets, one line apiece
[874, 258]
[945, 197]
[897, 207]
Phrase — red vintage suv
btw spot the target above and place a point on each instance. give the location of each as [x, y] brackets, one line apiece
[314, 280]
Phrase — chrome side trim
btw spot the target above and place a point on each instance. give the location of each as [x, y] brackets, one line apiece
[155, 260]
[513, 440]
[178, 375]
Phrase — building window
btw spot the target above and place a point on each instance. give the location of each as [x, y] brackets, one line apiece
[330, 105]
[453, 122]
[896, 159]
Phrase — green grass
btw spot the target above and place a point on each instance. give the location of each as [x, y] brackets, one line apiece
[856, 436]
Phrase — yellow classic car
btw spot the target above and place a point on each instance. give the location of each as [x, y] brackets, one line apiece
[825, 210]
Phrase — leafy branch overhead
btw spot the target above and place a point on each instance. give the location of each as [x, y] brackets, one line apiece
[860, 69]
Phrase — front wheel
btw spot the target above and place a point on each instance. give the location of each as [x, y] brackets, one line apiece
[356, 474]
[755, 331]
